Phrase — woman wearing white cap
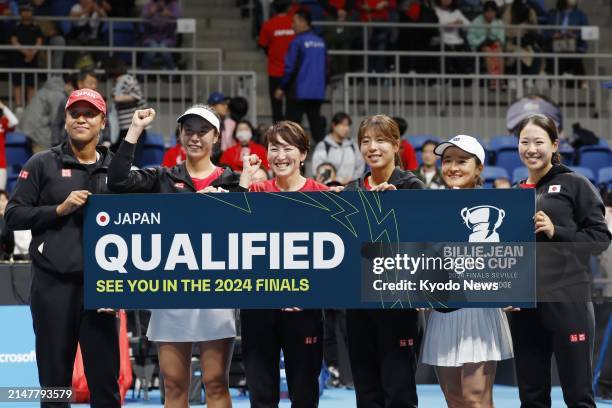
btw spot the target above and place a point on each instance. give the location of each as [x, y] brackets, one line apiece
[465, 344]
[175, 331]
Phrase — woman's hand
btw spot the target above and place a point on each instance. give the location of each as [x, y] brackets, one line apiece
[75, 200]
[250, 165]
[211, 189]
[511, 309]
[291, 309]
[384, 187]
[544, 224]
[141, 119]
[336, 189]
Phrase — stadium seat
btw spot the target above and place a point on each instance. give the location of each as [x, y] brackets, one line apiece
[585, 171]
[519, 173]
[508, 158]
[593, 157]
[417, 140]
[491, 173]
[567, 153]
[18, 152]
[501, 142]
[124, 35]
[605, 177]
[153, 150]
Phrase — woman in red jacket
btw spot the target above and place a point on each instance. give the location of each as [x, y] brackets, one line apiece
[244, 147]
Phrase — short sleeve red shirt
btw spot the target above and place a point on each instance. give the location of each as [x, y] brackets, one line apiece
[269, 186]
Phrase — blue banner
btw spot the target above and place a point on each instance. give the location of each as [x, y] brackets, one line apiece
[423, 248]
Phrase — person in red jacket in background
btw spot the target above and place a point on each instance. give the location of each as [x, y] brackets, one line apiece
[8, 121]
[244, 147]
[176, 154]
[275, 36]
[406, 152]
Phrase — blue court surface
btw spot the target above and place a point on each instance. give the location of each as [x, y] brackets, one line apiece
[430, 396]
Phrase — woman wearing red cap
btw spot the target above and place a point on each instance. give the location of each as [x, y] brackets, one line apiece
[298, 333]
[465, 345]
[176, 330]
[51, 190]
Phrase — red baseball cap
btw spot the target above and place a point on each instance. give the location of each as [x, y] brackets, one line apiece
[87, 95]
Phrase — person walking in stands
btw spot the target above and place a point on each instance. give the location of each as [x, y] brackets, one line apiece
[570, 219]
[176, 330]
[275, 36]
[383, 344]
[52, 188]
[298, 333]
[465, 345]
[340, 150]
[305, 75]
[429, 172]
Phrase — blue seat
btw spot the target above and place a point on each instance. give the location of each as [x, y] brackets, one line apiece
[501, 142]
[18, 152]
[605, 177]
[594, 157]
[585, 171]
[417, 140]
[16, 139]
[124, 35]
[491, 173]
[152, 151]
[154, 139]
[567, 152]
[508, 158]
[519, 173]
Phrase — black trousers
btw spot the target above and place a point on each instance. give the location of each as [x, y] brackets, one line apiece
[277, 105]
[300, 336]
[296, 108]
[383, 350]
[56, 302]
[566, 330]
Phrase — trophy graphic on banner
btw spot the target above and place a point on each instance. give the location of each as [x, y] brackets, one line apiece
[483, 221]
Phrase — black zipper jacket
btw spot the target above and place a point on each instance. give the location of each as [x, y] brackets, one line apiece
[45, 181]
[159, 179]
[401, 179]
[576, 210]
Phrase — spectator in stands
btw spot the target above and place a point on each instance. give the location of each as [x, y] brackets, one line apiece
[339, 37]
[160, 30]
[84, 79]
[452, 39]
[305, 75]
[489, 39]
[238, 107]
[84, 32]
[502, 182]
[418, 39]
[377, 11]
[340, 150]
[326, 173]
[521, 40]
[51, 32]
[118, 8]
[176, 154]
[25, 33]
[8, 121]
[40, 112]
[244, 147]
[429, 172]
[567, 13]
[406, 152]
[275, 36]
[219, 103]
[127, 97]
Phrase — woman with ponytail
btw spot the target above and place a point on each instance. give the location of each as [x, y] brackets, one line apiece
[383, 344]
[569, 227]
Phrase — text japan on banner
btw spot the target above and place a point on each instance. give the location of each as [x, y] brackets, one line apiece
[460, 248]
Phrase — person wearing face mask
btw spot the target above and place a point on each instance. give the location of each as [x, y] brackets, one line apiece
[48, 199]
[569, 227]
[338, 149]
[244, 147]
[177, 330]
[465, 345]
[383, 344]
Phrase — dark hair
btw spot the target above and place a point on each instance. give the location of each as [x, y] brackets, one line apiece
[546, 124]
[305, 15]
[490, 5]
[84, 73]
[291, 132]
[607, 198]
[386, 126]
[562, 5]
[340, 117]
[4, 193]
[238, 107]
[401, 124]
[115, 67]
[281, 6]
[246, 122]
[452, 6]
[429, 142]
[326, 164]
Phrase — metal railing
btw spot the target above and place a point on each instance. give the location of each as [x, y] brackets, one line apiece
[193, 53]
[169, 92]
[447, 104]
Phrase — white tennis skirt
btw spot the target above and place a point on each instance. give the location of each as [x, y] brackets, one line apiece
[466, 336]
[191, 325]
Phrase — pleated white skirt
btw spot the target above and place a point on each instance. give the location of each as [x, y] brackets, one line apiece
[191, 325]
[466, 336]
